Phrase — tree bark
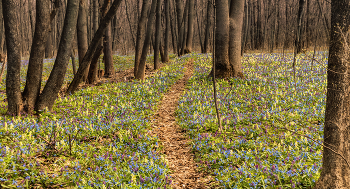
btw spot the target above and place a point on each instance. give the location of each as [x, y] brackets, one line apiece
[299, 27]
[93, 71]
[180, 12]
[223, 68]
[35, 65]
[167, 31]
[49, 46]
[208, 26]
[235, 42]
[335, 171]
[190, 27]
[82, 33]
[13, 91]
[142, 66]
[157, 35]
[140, 33]
[107, 50]
[55, 81]
[93, 46]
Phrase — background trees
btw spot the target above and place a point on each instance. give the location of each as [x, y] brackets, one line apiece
[272, 26]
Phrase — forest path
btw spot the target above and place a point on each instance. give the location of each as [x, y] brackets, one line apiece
[176, 145]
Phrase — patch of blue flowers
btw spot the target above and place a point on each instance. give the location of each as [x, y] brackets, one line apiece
[96, 138]
[252, 150]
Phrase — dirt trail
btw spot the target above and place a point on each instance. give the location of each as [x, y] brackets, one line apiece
[176, 145]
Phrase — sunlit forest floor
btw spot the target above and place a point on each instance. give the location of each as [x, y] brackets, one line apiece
[99, 137]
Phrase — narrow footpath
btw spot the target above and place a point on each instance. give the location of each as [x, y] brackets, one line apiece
[176, 145]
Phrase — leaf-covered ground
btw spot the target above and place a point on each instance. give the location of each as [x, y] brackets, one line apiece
[98, 137]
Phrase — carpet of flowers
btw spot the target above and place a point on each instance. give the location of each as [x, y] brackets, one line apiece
[96, 138]
[253, 150]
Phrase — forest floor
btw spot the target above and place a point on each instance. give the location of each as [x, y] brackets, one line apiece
[176, 145]
[163, 133]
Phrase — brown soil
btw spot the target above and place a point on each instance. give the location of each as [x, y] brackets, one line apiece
[176, 145]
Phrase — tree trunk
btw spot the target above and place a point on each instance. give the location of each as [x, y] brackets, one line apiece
[55, 81]
[93, 46]
[107, 50]
[157, 35]
[140, 33]
[180, 12]
[235, 42]
[35, 65]
[185, 19]
[82, 33]
[208, 26]
[93, 71]
[13, 91]
[49, 46]
[189, 39]
[72, 56]
[223, 68]
[167, 31]
[335, 171]
[142, 66]
[95, 15]
[298, 35]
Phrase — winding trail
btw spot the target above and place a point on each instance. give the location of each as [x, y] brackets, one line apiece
[176, 145]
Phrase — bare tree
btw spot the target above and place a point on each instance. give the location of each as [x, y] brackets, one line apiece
[13, 91]
[140, 33]
[55, 81]
[335, 170]
[190, 28]
[209, 23]
[35, 66]
[82, 33]
[107, 49]
[235, 42]
[93, 46]
[142, 65]
[167, 30]
[157, 35]
[222, 62]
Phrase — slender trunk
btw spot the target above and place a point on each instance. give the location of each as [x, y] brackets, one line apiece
[82, 33]
[129, 22]
[49, 47]
[299, 27]
[72, 56]
[208, 26]
[185, 25]
[199, 31]
[2, 67]
[174, 37]
[142, 66]
[167, 31]
[93, 71]
[13, 91]
[190, 22]
[235, 42]
[55, 81]
[180, 24]
[108, 54]
[140, 33]
[157, 36]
